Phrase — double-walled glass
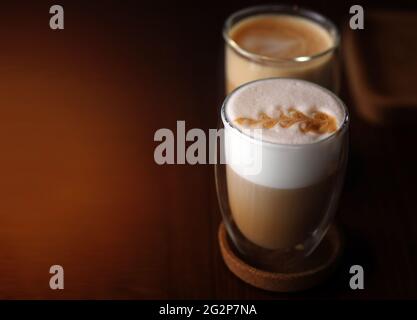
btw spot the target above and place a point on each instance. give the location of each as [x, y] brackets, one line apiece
[242, 66]
[278, 200]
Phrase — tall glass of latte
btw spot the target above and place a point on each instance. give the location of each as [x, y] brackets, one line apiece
[280, 41]
[285, 146]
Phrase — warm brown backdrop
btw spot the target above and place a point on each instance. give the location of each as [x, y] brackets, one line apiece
[79, 186]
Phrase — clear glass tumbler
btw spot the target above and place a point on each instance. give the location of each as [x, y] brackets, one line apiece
[284, 218]
[242, 66]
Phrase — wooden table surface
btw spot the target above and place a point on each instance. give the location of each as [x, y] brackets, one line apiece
[79, 185]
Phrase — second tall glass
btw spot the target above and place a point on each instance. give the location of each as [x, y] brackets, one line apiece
[299, 32]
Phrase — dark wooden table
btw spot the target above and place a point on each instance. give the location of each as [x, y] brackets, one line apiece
[79, 185]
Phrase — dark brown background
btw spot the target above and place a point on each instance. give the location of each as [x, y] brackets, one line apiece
[79, 186]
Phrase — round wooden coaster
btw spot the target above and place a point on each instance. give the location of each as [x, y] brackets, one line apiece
[314, 270]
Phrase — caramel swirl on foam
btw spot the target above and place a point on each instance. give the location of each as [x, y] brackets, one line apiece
[319, 122]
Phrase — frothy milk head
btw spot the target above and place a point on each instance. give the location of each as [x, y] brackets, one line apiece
[281, 36]
[287, 111]
[283, 133]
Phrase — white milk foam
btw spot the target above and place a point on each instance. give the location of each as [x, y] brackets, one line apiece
[278, 157]
[272, 47]
[274, 96]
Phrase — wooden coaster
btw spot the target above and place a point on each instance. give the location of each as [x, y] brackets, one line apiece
[314, 270]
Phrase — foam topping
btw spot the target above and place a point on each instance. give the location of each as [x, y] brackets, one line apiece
[288, 111]
[281, 36]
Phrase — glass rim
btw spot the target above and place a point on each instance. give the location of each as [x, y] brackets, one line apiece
[276, 9]
[342, 128]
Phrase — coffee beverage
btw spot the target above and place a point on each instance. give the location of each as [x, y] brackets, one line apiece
[281, 36]
[267, 45]
[285, 150]
[286, 216]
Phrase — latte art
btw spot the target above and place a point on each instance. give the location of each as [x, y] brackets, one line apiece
[287, 111]
[318, 123]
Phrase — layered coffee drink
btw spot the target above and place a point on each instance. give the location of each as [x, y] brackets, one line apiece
[280, 43]
[285, 144]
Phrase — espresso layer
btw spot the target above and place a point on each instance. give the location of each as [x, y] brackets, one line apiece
[281, 36]
[277, 218]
